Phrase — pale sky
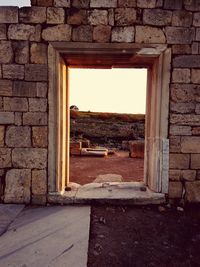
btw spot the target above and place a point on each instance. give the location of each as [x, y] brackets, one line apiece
[19, 3]
[108, 90]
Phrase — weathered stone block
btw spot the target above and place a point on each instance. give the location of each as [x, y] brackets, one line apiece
[146, 3]
[44, 3]
[1, 103]
[147, 34]
[182, 107]
[36, 72]
[196, 19]
[97, 17]
[198, 175]
[17, 188]
[192, 191]
[2, 133]
[187, 61]
[18, 118]
[192, 5]
[197, 109]
[188, 175]
[103, 3]
[55, 15]
[21, 52]
[83, 33]
[36, 36]
[111, 19]
[173, 4]
[183, 92]
[174, 175]
[123, 34]
[29, 89]
[39, 53]
[7, 118]
[195, 78]
[195, 48]
[102, 33]
[175, 189]
[181, 76]
[39, 182]
[32, 14]
[6, 52]
[186, 119]
[39, 200]
[21, 32]
[175, 144]
[57, 33]
[127, 3]
[8, 14]
[33, 158]
[6, 88]
[195, 161]
[35, 118]
[181, 49]
[40, 136]
[18, 136]
[3, 31]
[179, 161]
[179, 35]
[81, 3]
[15, 104]
[182, 18]
[157, 17]
[62, 3]
[37, 104]
[190, 144]
[77, 17]
[5, 157]
[41, 89]
[180, 130]
[196, 131]
[125, 16]
[13, 71]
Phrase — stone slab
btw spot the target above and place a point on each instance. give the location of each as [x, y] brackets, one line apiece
[8, 213]
[47, 236]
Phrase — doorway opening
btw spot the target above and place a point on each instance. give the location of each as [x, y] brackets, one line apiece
[156, 59]
[107, 125]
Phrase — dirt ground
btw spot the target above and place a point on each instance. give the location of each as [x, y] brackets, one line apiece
[125, 236]
[84, 170]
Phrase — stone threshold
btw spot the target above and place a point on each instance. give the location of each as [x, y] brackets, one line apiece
[132, 193]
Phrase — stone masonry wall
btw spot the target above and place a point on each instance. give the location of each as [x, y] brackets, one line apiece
[24, 37]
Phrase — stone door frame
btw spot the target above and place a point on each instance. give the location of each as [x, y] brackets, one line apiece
[157, 59]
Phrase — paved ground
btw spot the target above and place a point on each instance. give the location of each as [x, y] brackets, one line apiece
[84, 170]
[47, 236]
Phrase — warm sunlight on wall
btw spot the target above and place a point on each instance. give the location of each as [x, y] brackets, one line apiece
[108, 90]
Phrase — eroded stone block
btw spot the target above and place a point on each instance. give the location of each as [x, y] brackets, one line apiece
[182, 107]
[157, 17]
[190, 144]
[187, 61]
[182, 18]
[37, 104]
[83, 33]
[192, 191]
[97, 17]
[175, 189]
[146, 3]
[32, 14]
[195, 76]
[18, 136]
[179, 161]
[13, 71]
[17, 188]
[103, 3]
[15, 104]
[6, 52]
[2, 133]
[186, 119]
[44, 2]
[35, 118]
[21, 32]
[40, 136]
[80, 3]
[39, 182]
[173, 4]
[192, 5]
[195, 161]
[7, 118]
[179, 35]
[183, 93]
[21, 52]
[33, 158]
[175, 144]
[57, 33]
[123, 34]
[55, 15]
[36, 72]
[174, 175]
[188, 175]
[8, 14]
[125, 16]
[147, 34]
[77, 17]
[39, 53]
[3, 31]
[180, 130]
[6, 88]
[5, 158]
[181, 76]
[127, 3]
[102, 33]
[62, 3]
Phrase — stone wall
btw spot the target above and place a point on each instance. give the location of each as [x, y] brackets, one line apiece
[24, 37]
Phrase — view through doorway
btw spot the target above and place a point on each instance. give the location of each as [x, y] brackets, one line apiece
[107, 124]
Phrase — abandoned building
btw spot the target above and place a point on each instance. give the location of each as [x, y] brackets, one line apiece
[39, 43]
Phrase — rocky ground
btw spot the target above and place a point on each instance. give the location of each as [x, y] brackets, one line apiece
[125, 236]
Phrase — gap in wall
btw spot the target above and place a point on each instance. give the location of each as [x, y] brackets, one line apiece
[107, 124]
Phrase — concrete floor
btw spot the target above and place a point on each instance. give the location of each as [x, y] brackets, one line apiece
[47, 236]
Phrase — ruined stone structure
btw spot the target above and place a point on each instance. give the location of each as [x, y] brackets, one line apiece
[26, 39]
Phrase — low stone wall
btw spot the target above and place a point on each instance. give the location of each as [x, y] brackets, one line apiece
[24, 39]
